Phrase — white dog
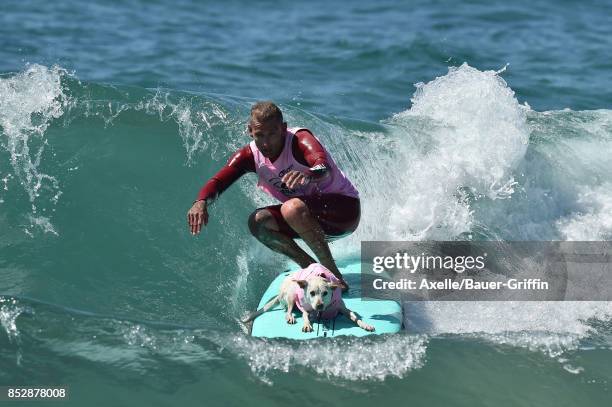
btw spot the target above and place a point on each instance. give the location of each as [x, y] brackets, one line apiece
[313, 290]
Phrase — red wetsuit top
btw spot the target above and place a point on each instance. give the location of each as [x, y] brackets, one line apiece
[305, 148]
[338, 214]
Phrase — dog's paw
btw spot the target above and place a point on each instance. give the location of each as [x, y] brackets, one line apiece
[365, 326]
[290, 318]
[307, 328]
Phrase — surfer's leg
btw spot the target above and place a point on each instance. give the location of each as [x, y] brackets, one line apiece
[265, 229]
[302, 221]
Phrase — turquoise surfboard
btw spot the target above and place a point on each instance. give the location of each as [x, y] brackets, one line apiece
[384, 315]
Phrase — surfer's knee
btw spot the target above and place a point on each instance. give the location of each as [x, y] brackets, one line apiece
[261, 219]
[294, 210]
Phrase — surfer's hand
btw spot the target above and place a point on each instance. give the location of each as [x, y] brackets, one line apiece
[197, 215]
[295, 178]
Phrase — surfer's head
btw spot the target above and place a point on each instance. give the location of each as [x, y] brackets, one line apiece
[317, 292]
[267, 128]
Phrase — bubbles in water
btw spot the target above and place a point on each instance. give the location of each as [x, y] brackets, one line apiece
[42, 223]
[238, 296]
[9, 312]
[137, 335]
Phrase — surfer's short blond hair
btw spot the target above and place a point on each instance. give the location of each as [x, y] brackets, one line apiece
[266, 111]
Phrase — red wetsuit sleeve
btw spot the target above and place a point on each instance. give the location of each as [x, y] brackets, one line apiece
[239, 163]
[307, 149]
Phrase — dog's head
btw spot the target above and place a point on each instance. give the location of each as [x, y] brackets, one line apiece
[317, 292]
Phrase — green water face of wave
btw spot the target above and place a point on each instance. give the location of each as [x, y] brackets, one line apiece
[97, 185]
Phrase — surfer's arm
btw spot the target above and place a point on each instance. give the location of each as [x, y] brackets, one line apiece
[239, 163]
[310, 152]
[307, 150]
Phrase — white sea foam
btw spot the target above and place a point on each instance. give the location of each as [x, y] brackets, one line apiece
[593, 218]
[29, 102]
[369, 358]
[548, 327]
[461, 141]
[196, 122]
[10, 310]
[477, 137]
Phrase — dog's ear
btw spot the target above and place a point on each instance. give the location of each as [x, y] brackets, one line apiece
[302, 283]
[333, 286]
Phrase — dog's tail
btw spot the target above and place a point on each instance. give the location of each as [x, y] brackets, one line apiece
[260, 311]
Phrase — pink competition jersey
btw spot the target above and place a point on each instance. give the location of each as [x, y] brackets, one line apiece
[315, 269]
[271, 173]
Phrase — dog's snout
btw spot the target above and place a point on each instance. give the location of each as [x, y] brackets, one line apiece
[319, 306]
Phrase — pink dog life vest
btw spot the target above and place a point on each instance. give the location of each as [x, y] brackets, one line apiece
[311, 271]
[271, 173]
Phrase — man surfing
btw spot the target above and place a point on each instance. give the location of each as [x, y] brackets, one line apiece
[319, 203]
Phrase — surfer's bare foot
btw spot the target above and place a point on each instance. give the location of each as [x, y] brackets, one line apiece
[307, 327]
[290, 318]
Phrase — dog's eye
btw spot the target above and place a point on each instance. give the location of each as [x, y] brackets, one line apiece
[312, 293]
[324, 293]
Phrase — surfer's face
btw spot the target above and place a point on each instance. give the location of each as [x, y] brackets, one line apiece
[269, 137]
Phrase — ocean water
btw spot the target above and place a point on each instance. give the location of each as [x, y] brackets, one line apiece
[456, 121]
